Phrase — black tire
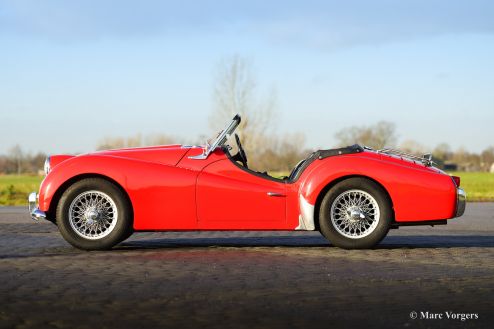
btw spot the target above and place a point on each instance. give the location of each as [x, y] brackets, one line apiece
[118, 231]
[331, 226]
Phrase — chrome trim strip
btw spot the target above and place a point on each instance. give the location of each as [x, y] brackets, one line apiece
[461, 202]
[37, 214]
[32, 200]
[47, 165]
[201, 156]
[34, 211]
[306, 217]
[275, 194]
[425, 159]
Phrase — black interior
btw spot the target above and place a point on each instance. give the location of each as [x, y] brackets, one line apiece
[235, 159]
[240, 156]
[298, 169]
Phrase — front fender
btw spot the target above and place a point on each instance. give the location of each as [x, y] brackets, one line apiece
[82, 165]
[157, 192]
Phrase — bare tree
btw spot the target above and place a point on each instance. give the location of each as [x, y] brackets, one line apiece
[413, 147]
[4, 162]
[16, 156]
[36, 163]
[290, 151]
[467, 161]
[235, 92]
[162, 139]
[487, 158]
[379, 135]
[442, 152]
[136, 141]
[111, 143]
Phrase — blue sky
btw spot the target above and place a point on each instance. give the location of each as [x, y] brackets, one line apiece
[73, 72]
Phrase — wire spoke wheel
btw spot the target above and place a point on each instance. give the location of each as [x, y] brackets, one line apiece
[93, 215]
[355, 214]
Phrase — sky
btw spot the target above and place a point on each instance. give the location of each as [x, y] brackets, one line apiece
[74, 72]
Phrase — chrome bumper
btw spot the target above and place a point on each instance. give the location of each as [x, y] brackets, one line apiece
[34, 211]
[461, 201]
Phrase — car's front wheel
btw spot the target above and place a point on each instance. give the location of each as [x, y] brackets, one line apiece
[94, 214]
[355, 214]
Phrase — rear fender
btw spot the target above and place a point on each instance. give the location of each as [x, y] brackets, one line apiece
[416, 194]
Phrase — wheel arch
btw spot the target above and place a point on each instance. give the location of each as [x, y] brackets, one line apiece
[65, 185]
[332, 183]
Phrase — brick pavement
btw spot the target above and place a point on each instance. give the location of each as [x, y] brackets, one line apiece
[247, 279]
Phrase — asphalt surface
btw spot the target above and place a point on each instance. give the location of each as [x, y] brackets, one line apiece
[249, 279]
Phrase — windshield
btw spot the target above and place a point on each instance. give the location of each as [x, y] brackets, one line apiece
[222, 136]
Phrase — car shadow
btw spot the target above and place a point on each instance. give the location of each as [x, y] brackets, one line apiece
[438, 241]
[390, 242]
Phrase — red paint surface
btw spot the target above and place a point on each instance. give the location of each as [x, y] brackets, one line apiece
[170, 191]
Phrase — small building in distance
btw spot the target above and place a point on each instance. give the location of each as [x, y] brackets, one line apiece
[450, 166]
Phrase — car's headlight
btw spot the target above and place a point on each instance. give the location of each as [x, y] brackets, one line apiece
[47, 166]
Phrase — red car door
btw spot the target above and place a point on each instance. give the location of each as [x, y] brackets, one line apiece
[232, 198]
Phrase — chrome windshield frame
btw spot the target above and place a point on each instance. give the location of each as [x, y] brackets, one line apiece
[220, 139]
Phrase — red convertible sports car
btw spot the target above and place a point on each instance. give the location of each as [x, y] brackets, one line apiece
[352, 195]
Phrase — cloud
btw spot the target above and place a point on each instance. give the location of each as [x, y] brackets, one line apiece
[353, 23]
[312, 23]
[91, 19]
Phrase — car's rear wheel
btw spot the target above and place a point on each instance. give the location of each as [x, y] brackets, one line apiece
[94, 214]
[355, 214]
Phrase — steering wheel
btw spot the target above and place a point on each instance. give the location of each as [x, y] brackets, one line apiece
[240, 156]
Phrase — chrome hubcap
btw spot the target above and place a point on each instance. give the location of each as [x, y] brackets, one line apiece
[355, 214]
[93, 215]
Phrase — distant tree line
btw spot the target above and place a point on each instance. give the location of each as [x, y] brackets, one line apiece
[278, 152]
[236, 91]
[138, 140]
[17, 162]
[383, 134]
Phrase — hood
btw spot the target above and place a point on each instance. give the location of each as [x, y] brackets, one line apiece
[165, 154]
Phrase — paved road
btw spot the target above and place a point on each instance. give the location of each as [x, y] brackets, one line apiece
[249, 279]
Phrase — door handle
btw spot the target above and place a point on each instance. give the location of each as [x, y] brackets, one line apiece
[275, 194]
